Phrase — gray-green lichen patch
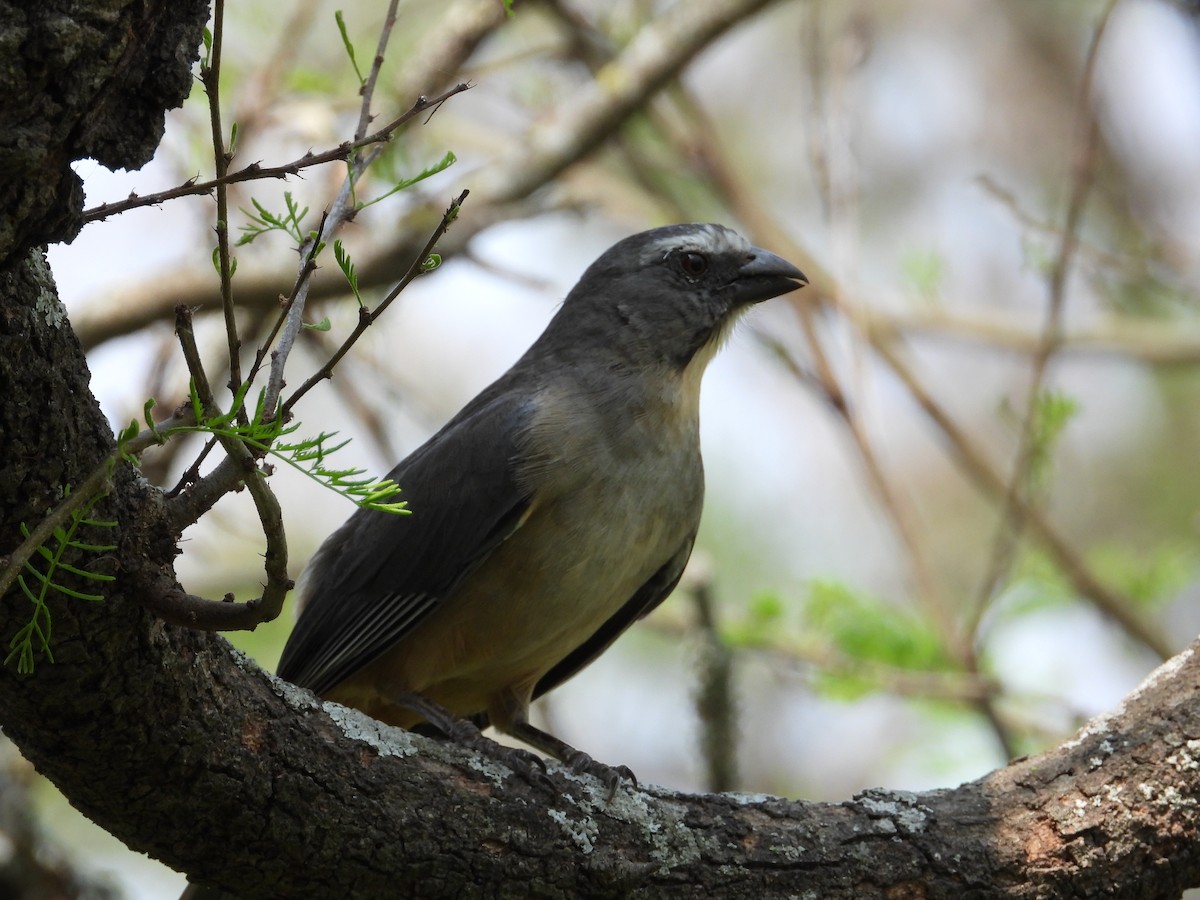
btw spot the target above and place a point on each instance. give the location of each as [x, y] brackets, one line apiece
[582, 831]
[899, 810]
[386, 739]
[47, 305]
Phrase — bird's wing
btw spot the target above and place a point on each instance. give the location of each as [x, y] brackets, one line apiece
[656, 589]
[380, 574]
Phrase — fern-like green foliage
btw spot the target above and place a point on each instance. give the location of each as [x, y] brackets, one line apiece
[404, 183]
[308, 455]
[347, 266]
[288, 221]
[38, 581]
[1053, 412]
[870, 631]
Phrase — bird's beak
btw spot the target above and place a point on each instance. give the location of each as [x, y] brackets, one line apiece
[764, 275]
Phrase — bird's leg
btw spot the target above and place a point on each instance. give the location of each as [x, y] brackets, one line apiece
[576, 760]
[466, 733]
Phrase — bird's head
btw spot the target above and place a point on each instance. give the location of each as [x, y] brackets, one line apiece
[671, 294]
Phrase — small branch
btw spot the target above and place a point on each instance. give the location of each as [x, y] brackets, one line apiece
[368, 89]
[187, 507]
[81, 494]
[716, 707]
[1011, 523]
[981, 471]
[367, 317]
[210, 75]
[257, 171]
[160, 593]
[178, 606]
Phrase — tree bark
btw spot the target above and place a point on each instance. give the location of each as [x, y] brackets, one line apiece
[187, 751]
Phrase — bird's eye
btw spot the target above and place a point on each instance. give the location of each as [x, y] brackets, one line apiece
[693, 264]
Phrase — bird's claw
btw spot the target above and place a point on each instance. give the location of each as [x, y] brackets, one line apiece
[528, 765]
[611, 776]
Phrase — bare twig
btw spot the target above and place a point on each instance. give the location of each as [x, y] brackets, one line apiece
[985, 475]
[368, 88]
[210, 76]
[716, 707]
[178, 606]
[1011, 522]
[367, 317]
[258, 172]
[656, 55]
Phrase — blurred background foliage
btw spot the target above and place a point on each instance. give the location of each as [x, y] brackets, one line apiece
[953, 505]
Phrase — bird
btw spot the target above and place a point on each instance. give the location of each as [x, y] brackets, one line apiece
[558, 507]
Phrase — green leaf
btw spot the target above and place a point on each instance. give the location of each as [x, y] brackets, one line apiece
[925, 271]
[868, 630]
[323, 325]
[1053, 413]
[341, 24]
[347, 266]
[1150, 577]
[440, 166]
[263, 220]
[34, 637]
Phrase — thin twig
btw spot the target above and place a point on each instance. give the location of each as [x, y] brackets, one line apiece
[1011, 522]
[368, 88]
[716, 707]
[257, 171]
[210, 76]
[175, 604]
[981, 471]
[367, 317]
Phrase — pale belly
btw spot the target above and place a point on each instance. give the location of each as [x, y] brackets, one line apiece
[571, 565]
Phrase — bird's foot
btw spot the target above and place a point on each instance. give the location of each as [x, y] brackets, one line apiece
[527, 765]
[576, 760]
[611, 776]
[466, 734]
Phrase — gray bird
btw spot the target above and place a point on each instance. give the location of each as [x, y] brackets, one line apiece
[559, 506]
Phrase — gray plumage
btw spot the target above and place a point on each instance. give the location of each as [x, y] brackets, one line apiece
[559, 506]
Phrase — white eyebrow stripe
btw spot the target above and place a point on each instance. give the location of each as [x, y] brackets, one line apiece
[715, 239]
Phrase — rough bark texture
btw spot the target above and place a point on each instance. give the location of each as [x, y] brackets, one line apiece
[82, 80]
[170, 741]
